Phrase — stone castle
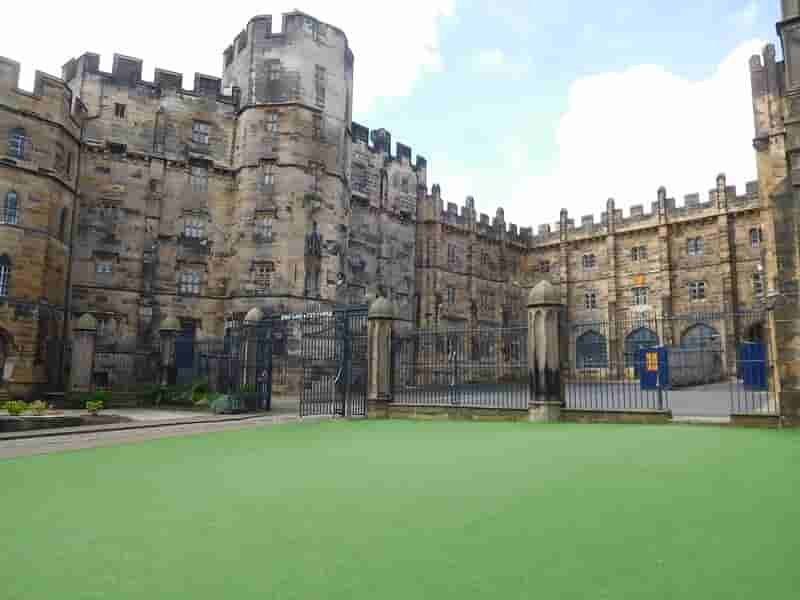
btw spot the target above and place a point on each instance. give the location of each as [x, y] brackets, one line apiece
[135, 200]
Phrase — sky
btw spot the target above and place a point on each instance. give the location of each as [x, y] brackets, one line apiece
[529, 105]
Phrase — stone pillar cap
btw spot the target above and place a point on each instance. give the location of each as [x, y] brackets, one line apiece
[543, 294]
[87, 323]
[170, 324]
[382, 308]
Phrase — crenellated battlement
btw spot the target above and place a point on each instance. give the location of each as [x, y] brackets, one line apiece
[127, 71]
[379, 141]
[51, 96]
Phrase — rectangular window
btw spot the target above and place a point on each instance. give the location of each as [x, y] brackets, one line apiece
[544, 266]
[758, 284]
[189, 283]
[756, 237]
[589, 261]
[262, 276]
[69, 163]
[199, 179]
[200, 132]
[451, 254]
[640, 296]
[316, 127]
[451, 295]
[695, 246]
[104, 266]
[316, 173]
[273, 70]
[194, 229]
[264, 228]
[319, 84]
[103, 327]
[272, 122]
[638, 253]
[697, 290]
[17, 143]
[10, 213]
[269, 179]
[5, 276]
[404, 185]
[590, 300]
[119, 110]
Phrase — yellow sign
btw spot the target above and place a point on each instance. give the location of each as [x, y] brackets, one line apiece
[639, 280]
[652, 362]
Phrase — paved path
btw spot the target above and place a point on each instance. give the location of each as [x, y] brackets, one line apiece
[11, 448]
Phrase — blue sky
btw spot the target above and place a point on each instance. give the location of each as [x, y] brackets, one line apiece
[527, 105]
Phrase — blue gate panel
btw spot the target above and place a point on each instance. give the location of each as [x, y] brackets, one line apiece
[753, 365]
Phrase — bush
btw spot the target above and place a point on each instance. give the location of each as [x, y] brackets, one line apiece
[222, 404]
[94, 406]
[16, 407]
[39, 407]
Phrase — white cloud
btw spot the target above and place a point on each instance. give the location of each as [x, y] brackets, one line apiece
[623, 135]
[394, 44]
[745, 17]
[494, 61]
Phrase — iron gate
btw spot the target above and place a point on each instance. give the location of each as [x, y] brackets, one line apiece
[477, 368]
[333, 350]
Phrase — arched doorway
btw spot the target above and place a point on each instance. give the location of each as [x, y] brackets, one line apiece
[636, 340]
[701, 361]
[591, 351]
[755, 333]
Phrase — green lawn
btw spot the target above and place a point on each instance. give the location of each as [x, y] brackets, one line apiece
[408, 510]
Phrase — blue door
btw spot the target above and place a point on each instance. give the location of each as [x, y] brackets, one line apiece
[653, 368]
[753, 365]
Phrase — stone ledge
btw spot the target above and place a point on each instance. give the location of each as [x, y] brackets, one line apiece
[756, 421]
[603, 416]
[455, 413]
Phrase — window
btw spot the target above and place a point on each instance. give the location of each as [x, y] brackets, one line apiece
[10, 209]
[451, 254]
[199, 179]
[640, 296]
[697, 290]
[319, 84]
[18, 143]
[264, 228]
[58, 162]
[200, 132]
[69, 163]
[485, 301]
[62, 224]
[273, 70]
[758, 284]
[5, 275]
[119, 110]
[308, 25]
[189, 283]
[103, 266]
[591, 351]
[316, 132]
[269, 178]
[316, 173]
[103, 326]
[589, 261]
[702, 336]
[695, 246]
[194, 229]
[590, 299]
[404, 185]
[638, 253]
[756, 237]
[451, 295]
[484, 258]
[272, 122]
[262, 275]
[544, 266]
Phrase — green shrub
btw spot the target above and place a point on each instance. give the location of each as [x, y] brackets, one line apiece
[222, 404]
[39, 407]
[94, 406]
[16, 407]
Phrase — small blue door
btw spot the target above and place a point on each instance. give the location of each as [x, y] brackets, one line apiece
[753, 365]
[653, 368]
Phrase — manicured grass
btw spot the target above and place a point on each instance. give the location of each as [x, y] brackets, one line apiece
[385, 510]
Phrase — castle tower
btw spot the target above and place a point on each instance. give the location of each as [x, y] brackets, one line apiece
[292, 152]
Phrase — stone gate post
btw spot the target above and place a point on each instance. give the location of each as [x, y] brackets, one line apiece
[380, 325]
[168, 331]
[544, 354]
[84, 342]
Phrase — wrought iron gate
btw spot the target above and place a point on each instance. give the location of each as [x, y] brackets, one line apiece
[333, 350]
[478, 368]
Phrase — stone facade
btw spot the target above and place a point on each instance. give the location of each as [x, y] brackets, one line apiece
[257, 189]
[776, 106]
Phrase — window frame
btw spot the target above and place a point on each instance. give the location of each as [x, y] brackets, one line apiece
[18, 142]
[590, 300]
[189, 283]
[697, 290]
[198, 178]
[695, 246]
[120, 110]
[756, 237]
[589, 262]
[5, 276]
[10, 215]
[201, 132]
[641, 295]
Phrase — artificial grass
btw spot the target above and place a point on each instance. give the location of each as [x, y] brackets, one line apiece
[385, 510]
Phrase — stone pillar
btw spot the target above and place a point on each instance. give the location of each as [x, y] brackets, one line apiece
[544, 354]
[83, 347]
[381, 318]
[168, 331]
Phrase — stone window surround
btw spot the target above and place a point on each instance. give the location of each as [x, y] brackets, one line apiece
[5, 275]
[695, 246]
[640, 295]
[10, 212]
[189, 282]
[589, 261]
[756, 237]
[697, 290]
[18, 142]
[201, 131]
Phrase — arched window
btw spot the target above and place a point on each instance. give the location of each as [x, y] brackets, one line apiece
[18, 143]
[591, 351]
[5, 275]
[701, 337]
[636, 340]
[11, 208]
